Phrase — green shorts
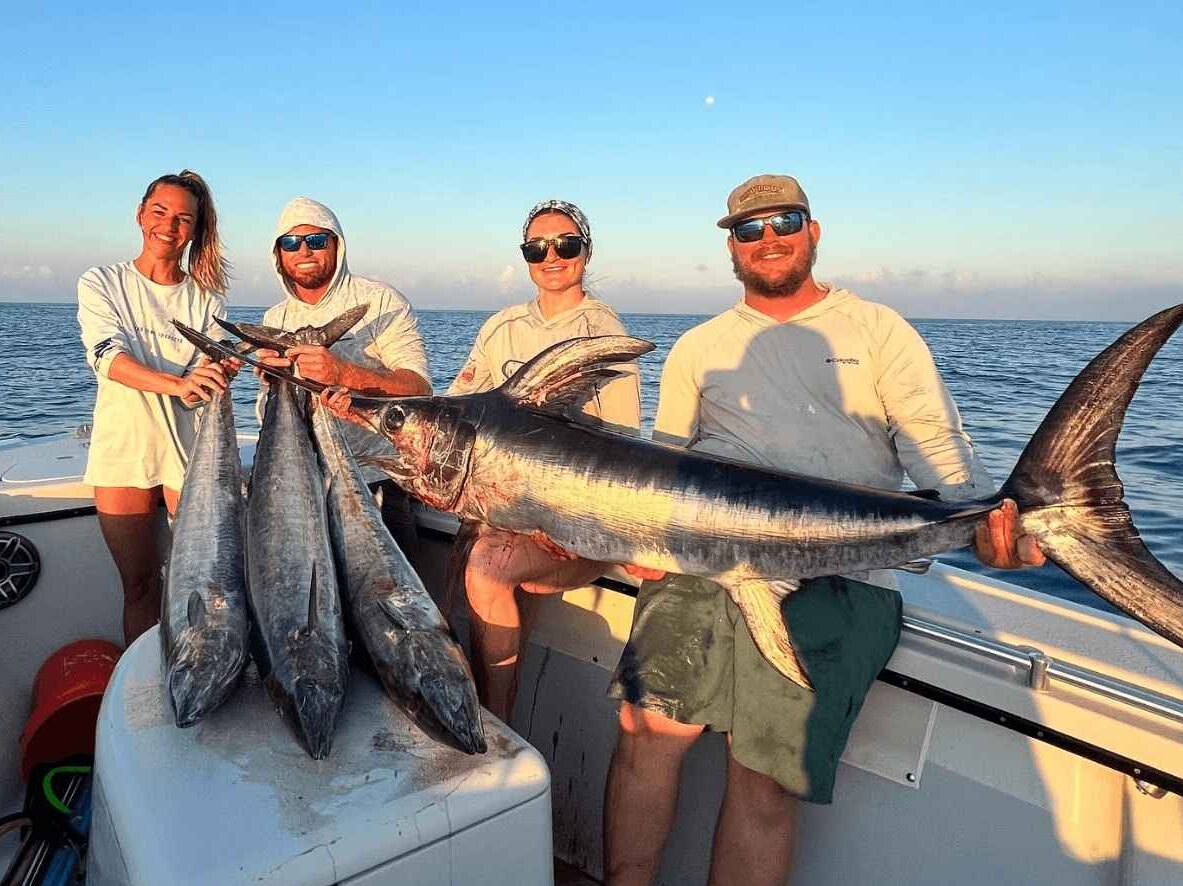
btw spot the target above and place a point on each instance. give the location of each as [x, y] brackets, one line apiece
[690, 657]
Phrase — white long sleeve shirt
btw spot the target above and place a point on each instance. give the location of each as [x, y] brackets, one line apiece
[516, 334]
[846, 390]
[140, 439]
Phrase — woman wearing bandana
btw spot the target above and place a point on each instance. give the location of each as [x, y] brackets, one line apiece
[557, 246]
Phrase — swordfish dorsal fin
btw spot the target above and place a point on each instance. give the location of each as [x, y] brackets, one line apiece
[568, 374]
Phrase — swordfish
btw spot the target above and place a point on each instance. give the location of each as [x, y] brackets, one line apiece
[521, 458]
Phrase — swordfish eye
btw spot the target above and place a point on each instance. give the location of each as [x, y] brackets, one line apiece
[392, 420]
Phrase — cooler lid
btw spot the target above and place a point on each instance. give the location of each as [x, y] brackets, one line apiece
[235, 798]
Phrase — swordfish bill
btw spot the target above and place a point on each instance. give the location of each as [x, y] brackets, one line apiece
[419, 664]
[203, 623]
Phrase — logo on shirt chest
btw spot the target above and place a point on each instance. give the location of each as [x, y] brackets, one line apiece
[844, 361]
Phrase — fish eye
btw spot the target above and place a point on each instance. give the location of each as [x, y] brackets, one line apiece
[392, 420]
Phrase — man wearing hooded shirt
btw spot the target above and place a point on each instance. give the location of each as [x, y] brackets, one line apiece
[382, 355]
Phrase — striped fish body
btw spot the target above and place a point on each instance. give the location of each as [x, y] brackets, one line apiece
[203, 620]
[300, 642]
[420, 665]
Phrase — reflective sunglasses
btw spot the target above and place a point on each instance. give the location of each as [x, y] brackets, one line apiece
[783, 224]
[566, 246]
[291, 242]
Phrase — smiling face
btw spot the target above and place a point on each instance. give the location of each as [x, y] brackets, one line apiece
[167, 220]
[555, 274]
[774, 266]
[309, 268]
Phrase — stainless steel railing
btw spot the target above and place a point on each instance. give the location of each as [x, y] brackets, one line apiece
[1041, 668]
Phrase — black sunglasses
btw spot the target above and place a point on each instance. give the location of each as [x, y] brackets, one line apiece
[566, 246]
[783, 224]
[291, 242]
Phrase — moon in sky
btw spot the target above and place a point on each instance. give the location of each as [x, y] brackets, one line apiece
[709, 100]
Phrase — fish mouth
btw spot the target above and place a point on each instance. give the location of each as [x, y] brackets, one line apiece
[200, 681]
[447, 694]
[315, 707]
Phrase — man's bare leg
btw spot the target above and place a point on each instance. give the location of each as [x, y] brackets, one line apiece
[127, 519]
[756, 832]
[498, 563]
[641, 797]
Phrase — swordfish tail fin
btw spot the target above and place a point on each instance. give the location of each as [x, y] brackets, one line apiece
[1069, 495]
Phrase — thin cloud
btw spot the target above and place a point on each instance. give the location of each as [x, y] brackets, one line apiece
[27, 272]
[507, 278]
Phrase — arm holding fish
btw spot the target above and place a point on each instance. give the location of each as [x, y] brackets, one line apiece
[108, 352]
[397, 357]
[935, 450]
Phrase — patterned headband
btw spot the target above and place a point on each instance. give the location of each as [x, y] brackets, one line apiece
[570, 210]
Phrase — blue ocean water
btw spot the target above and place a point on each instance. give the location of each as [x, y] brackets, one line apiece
[1004, 375]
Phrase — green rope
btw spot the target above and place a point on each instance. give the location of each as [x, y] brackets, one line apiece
[47, 785]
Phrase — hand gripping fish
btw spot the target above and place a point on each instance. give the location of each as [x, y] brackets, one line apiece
[518, 458]
[421, 667]
[203, 619]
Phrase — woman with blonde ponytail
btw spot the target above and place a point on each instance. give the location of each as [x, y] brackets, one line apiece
[149, 378]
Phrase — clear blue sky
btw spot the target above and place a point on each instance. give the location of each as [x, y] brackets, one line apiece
[996, 159]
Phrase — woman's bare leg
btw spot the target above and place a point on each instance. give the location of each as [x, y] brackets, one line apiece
[498, 564]
[127, 519]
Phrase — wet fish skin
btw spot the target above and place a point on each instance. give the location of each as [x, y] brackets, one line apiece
[300, 643]
[418, 662]
[203, 623]
[514, 459]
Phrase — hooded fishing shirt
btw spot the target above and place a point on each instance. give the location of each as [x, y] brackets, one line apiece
[140, 439]
[516, 334]
[846, 390]
[386, 338]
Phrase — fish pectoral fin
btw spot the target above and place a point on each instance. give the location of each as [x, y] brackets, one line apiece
[392, 610]
[759, 602]
[195, 610]
[581, 364]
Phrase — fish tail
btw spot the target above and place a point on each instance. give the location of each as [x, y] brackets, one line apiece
[1069, 495]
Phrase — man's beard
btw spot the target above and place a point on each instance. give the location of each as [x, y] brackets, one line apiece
[309, 279]
[782, 285]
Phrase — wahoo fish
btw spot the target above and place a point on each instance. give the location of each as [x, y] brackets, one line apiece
[203, 619]
[521, 458]
[419, 664]
[299, 641]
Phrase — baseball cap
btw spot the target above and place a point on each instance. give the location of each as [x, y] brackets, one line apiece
[763, 192]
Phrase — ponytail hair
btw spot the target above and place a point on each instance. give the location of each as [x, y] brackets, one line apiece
[207, 265]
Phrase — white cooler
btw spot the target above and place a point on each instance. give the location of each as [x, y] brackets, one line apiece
[235, 799]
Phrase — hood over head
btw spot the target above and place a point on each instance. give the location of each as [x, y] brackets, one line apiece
[306, 211]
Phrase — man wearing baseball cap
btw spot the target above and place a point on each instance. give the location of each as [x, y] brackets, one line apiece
[805, 377]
